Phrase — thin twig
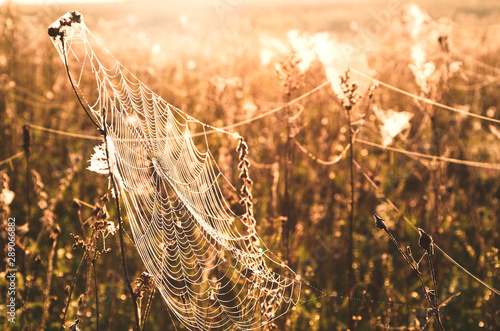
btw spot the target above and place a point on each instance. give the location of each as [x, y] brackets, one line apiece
[50, 270]
[68, 300]
[71, 80]
[35, 263]
[380, 223]
[96, 296]
[348, 102]
[427, 243]
[27, 150]
[148, 308]
[434, 282]
[286, 222]
[408, 258]
[351, 224]
[13, 157]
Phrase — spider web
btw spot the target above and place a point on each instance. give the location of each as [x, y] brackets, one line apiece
[208, 262]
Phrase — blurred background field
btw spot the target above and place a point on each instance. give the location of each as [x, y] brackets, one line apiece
[219, 61]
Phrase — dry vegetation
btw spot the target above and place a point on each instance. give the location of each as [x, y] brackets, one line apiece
[222, 70]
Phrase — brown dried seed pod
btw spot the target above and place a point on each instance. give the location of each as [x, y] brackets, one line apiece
[425, 241]
[379, 222]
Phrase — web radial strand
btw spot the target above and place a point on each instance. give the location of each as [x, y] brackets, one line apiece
[198, 250]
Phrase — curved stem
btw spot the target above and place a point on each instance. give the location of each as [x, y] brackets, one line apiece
[72, 84]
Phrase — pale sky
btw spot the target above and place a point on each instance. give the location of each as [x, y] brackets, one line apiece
[46, 2]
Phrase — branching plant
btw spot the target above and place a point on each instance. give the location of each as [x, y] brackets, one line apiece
[426, 242]
[350, 98]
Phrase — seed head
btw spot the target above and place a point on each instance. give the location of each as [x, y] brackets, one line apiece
[379, 222]
[76, 204]
[425, 241]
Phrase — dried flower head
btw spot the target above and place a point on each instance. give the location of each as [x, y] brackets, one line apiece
[349, 89]
[143, 284]
[425, 241]
[289, 73]
[379, 222]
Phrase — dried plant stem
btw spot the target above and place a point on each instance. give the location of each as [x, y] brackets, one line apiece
[139, 309]
[120, 227]
[50, 271]
[26, 324]
[380, 223]
[436, 177]
[96, 297]
[5, 323]
[27, 287]
[411, 263]
[148, 308]
[10, 159]
[71, 81]
[351, 225]
[434, 284]
[27, 150]
[122, 248]
[68, 299]
[349, 100]
[286, 222]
